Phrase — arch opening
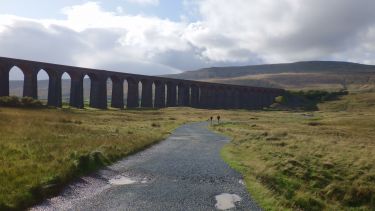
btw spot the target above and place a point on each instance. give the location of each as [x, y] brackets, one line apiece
[153, 86]
[126, 88]
[16, 81]
[140, 85]
[86, 90]
[177, 95]
[43, 86]
[165, 94]
[109, 91]
[65, 89]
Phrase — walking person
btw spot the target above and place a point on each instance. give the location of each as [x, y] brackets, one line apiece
[218, 119]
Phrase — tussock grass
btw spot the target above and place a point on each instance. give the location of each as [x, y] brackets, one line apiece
[321, 160]
[318, 160]
[43, 149]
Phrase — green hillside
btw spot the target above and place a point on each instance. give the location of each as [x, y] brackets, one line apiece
[300, 75]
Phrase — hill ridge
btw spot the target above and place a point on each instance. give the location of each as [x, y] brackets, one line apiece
[296, 75]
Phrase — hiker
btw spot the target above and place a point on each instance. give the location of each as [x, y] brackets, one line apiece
[211, 119]
[218, 119]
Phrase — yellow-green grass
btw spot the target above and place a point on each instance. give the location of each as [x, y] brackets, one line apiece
[43, 149]
[290, 160]
[323, 160]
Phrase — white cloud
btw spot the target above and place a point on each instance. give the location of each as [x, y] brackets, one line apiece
[107, 41]
[144, 2]
[284, 30]
[235, 32]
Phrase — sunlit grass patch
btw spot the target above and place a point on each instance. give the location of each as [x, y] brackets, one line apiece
[43, 149]
[320, 160]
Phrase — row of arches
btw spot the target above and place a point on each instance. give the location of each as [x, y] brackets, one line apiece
[59, 85]
[17, 77]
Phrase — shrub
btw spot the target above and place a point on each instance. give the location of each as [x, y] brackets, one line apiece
[30, 102]
[11, 101]
[14, 101]
[280, 99]
[309, 203]
[304, 100]
[155, 124]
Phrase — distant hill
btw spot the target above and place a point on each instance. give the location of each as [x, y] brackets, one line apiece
[329, 75]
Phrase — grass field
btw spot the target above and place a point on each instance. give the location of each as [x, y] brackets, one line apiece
[323, 160]
[41, 150]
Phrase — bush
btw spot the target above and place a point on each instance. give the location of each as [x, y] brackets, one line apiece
[304, 100]
[155, 124]
[30, 102]
[280, 99]
[14, 101]
[11, 101]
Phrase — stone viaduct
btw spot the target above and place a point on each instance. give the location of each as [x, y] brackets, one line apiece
[157, 92]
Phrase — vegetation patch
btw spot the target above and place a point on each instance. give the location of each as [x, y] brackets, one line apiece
[305, 100]
[322, 160]
[41, 150]
[14, 101]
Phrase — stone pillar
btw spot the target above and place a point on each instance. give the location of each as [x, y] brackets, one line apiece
[228, 98]
[159, 95]
[211, 94]
[146, 94]
[203, 96]
[76, 90]
[236, 98]
[30, 85]
[219, 98]
[246, 98]
[117, 93]
[241, 99]
[260, 99]
[54, 88]
[254, 100]
[171, 94]
[183, 95]
[133, 93]
[194, 96]
[4, 79]
[98, 92]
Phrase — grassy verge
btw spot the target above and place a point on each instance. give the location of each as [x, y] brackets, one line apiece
[321, 160]
[43, 149]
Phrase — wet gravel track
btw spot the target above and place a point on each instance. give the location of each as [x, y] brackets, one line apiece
[184, 172]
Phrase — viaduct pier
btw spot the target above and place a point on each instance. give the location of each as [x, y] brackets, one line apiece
[142, 91]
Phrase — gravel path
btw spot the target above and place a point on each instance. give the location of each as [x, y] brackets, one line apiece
[184, 172]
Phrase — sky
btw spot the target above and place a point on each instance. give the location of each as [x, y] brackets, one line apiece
[156, 37]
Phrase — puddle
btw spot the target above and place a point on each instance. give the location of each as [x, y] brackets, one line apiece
[121, 180]
[144, 181]
[241, 182]
[226, 201]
